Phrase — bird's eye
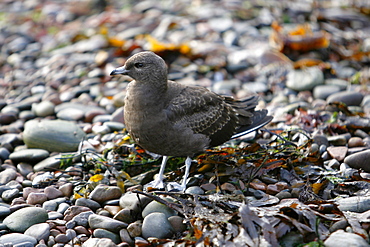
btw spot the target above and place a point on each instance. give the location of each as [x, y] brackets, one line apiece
[138, 65]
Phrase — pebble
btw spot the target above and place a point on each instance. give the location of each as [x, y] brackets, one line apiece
[155, 206]
[359, 160]
[99, 242]
[93, 205]
[52, 135]
[302, 80]
[98, 221]
[343, 238]
[39, 231]
[17, 239]
[34, 215]
[102, 233]
[103, 193]
[157, 225]
[32, 155]
[7, 175]
[347, 97]
[36, 198]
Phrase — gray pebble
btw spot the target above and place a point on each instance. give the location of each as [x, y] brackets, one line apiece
[39, 231]
[302, 80]
[93, 205]
[82, 219]
[155, 206]
[342, 238]
[99, 242]
[347, 97]
[102, 233]
[43, 109]
[50, 205]
[157, 225]
[17, 238]
[359, 160]
[324, 91]
[53, 135]
[98, 221]
[34, 215]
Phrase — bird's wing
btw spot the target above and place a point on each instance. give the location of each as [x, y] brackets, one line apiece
[204, 112]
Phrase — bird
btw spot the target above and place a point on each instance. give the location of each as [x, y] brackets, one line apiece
[172, 119]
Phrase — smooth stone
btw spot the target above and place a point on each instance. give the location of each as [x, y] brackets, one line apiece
[99, 242]
[114, 126]
[81, 230]
[125, 237]
[358, 204]
[156, 207]
[52, 215]
[4, 153]
[73, 211]
[100, 129]
[71, 114]
[338, 153]
[134, 202]
[7, 175]
[53, 135]
[43, 109]
[98, 221]
[157, 225]
[93, 205]
[134, 229]
[50, 205]
[348, 97]
[70, 233]
[177, 223]
[62, 238]
[355, 142]
[103, 193]
[9, 195]
[16, 221]
[102, 233]
[52, 162]
[342, 238]
[62, 207]
[39, 231]
[4, 211]
[324, 91]
[67, 189]
[359, 160]
[124, 215]
[342, 84]
[303, 80]
[24, 169]
[195, 190]
[17, 239]
[82, 219]
[52, 192]
[36, 198]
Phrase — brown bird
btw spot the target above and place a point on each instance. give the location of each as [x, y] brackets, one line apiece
[171, 119]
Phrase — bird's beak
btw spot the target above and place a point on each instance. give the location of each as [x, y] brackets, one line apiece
[120, 71]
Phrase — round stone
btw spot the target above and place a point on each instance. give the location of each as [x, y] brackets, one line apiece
[53, 135]
[157, 225]
[16, 221]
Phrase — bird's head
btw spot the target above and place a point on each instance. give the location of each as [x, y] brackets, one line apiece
[144, 67]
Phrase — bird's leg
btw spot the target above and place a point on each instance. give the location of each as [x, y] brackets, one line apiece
[158, 181]
[182, 187]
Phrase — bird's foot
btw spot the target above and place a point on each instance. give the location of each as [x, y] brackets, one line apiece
[173, 186]
[156, 183]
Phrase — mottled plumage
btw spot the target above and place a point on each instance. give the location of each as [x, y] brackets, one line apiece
[171, 119]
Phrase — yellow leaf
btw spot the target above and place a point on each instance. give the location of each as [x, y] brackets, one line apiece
[96, 178]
